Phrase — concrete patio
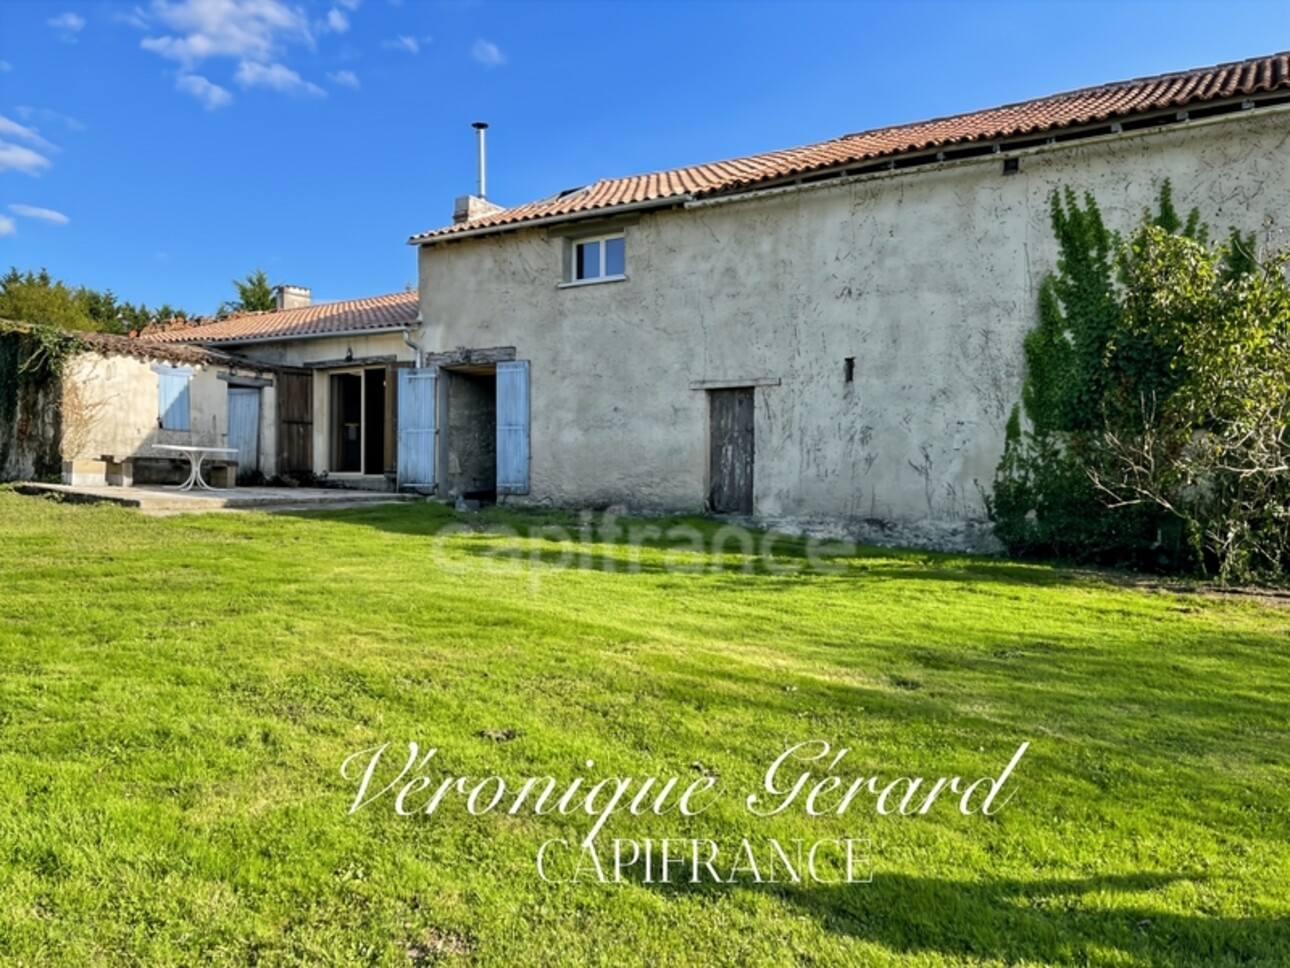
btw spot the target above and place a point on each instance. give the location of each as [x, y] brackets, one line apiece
[157, 499]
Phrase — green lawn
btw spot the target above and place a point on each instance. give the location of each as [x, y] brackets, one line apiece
[177, 695]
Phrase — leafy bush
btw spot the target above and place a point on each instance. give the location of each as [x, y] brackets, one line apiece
[1156, 398]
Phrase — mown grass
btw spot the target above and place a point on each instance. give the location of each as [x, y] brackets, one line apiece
[177, 696]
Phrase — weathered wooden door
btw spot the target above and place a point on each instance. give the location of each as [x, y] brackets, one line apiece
[417, 397]
[295, 423]
[730, 455]
[244, 428]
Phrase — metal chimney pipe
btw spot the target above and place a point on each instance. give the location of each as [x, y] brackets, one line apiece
[480, 127]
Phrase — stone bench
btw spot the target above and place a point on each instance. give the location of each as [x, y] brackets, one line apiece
[123, 471]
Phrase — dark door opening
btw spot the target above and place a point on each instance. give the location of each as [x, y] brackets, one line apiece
[471, 470]
[347, 423]
[374, 421]
[358, 419]
[730, 454]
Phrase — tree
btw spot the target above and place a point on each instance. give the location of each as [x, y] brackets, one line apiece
[1210, 449]
[35, 297]
[254, 294]
[1157, 396]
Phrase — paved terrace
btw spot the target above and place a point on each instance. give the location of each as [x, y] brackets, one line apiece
[157, 499]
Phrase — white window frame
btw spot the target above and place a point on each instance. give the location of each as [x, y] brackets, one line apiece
[571, 273]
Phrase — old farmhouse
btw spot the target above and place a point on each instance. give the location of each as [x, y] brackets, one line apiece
[826, 332]
[829, 333]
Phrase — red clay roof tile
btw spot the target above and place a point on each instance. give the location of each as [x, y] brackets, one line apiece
[391, 312]
[1073, 108]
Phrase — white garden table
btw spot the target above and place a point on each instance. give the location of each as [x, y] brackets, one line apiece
[196, 453]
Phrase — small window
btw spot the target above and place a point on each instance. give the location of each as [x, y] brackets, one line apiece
[172, 397]
[600, 259]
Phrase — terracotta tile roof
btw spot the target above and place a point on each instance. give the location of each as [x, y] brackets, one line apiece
[1072, 109]
[140, 349]
[394, 311]
[112, 344]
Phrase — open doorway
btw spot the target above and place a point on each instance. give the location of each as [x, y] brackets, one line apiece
[358, 422]
[463, 428]
[471, 467]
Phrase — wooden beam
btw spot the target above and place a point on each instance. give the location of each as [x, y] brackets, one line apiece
[754, 381]
[233, 379]
[463, 356]
[357, 361]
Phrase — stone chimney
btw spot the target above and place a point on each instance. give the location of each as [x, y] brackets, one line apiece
[470, 207]
[292, 297]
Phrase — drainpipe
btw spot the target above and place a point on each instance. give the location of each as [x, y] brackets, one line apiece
[414, 346]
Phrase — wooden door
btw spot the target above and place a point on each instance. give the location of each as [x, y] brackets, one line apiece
[295, 423]
[730, 454]
[244, 428]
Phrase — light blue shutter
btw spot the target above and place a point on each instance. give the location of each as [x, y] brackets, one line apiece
[513, 427]
[416, 408]
[244, 427]
[172, 397]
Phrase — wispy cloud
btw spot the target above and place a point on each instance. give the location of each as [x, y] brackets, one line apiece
[401, 42]
[8, 226]
[68, 26]
[27, 113]
[136, 17]
[350, 4]
[336, 21]
[10, 128]
[5, 66]
[21, 158]
[344, 78]
[209, 93]
[44, 214]
[487, 53]
[245, 29]
[276, 77]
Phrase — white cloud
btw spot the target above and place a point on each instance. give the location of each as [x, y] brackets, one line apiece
[410, 44]
[350, 4]
[137, 18]
[12, 129]
[26, 112]
[246, 29]
[67, 22]
[344, 78]
[5, 66]
[487, 53]
[44, 214]
[211, 95]
[277, 77]
[19, 158]
[8, 226]
[337, 22]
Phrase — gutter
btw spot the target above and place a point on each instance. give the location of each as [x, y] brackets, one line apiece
[234, 341]
[670, 201]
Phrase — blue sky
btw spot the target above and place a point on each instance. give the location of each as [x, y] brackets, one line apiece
[163, 147]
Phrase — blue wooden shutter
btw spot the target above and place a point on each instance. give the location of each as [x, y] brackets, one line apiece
[513, 427]
[172, 397]
[244, 427]
[416, 407]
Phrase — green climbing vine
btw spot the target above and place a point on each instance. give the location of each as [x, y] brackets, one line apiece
[32, 359]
